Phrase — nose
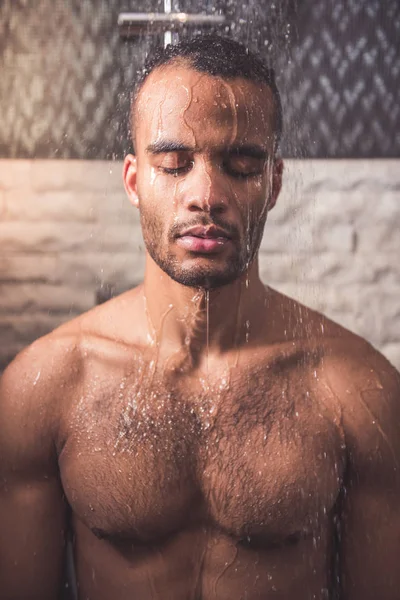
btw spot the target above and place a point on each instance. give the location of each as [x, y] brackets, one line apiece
[205, 189]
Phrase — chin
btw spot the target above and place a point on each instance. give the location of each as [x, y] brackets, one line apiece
[204, 272]
[205, 277]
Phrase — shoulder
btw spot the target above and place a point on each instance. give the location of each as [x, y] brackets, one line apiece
[359, 385]
[35, 378]
[367, 389]
[45, 363]
[41, 365]
[37, 386]
[32, 390]
[362, 378]
[55, 363]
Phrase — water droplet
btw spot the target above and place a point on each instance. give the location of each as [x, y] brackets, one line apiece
[37, 378]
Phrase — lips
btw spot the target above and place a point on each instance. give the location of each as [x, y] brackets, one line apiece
[203, 239]
[205, 232]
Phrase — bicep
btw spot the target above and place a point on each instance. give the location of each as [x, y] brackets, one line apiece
[369, 534]
[32, 539]
[32, 506]
[370, 545]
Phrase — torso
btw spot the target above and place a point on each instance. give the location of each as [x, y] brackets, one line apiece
[217, 489]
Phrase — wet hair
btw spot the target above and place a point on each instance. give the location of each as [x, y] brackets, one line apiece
[217, 56]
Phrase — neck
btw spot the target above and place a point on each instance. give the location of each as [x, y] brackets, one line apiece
[202, 322]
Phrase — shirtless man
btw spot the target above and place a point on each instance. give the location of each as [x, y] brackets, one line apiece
[201, 436]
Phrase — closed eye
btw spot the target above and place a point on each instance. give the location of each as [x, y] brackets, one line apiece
[241, 175]
[243, 167]
[175, 163]
[176, 171]
[245, 161]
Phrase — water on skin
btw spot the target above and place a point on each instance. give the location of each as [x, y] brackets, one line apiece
[155, 337]
[206, 425]
[373, 393]
[269, 165]
[208, 331]
[224, 571]
[222, 574]
[365, 396]
[232, 100]
[153, 176]
[160, 112]
[207, 411]
[233, 105]
[190, 100]
[247, 113]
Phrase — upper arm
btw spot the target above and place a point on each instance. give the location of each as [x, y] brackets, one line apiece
[370, 544]
[32, 506]
[369, 534]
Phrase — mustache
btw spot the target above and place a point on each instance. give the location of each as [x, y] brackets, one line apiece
[231, 230]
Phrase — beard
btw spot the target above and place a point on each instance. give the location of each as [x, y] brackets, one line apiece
[201, 272]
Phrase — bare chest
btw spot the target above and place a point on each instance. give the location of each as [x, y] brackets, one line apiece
[144, 461]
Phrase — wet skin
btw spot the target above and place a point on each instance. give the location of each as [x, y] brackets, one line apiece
[225, 443]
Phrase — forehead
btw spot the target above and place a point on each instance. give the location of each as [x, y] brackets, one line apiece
[180, 103]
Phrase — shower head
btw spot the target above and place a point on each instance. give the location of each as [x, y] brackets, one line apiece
[134, 24]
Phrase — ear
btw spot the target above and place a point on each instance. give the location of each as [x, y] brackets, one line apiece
[130, 179]
[276, 182]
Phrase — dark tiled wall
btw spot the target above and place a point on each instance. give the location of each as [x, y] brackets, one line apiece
[67, 75]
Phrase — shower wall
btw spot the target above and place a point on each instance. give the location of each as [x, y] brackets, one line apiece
[67, 74]
[68, 234]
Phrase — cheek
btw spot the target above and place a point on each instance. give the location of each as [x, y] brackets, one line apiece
[156, 216]
[153, 227]
[155, 188]
[147, 183]
[262, 191]
[253, 202]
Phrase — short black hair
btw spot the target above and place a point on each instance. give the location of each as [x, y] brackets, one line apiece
[217, 56]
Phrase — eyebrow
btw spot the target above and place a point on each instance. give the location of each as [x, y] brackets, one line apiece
[251, 150]
[165, 146]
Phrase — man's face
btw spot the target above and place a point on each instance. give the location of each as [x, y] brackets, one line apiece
[204, 176]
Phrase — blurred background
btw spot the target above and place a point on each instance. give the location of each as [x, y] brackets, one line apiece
[68, 236]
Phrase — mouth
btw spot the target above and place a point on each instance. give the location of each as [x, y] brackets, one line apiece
[204, 239]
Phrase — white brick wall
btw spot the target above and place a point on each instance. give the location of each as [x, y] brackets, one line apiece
[333, 241]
